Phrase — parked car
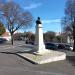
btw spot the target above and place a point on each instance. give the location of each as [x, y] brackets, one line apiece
[30, 42]
[2, 40]
[65, 46]
[68, 47]
[61, 46]
[50, 46]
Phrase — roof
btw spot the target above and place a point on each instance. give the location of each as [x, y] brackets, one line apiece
[6, 34]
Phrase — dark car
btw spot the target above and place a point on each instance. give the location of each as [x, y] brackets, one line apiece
[65, 47]
[30, 42]
[61, 46]
[50, 46]
[2, 40]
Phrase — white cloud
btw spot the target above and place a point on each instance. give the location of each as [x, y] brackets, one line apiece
[51, 21]
[33, 5]
[9, 0]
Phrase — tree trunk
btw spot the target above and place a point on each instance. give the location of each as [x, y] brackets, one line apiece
[74, 36]
[74, 46]
[11, 38]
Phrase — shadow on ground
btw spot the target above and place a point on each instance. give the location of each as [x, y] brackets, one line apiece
[16, 53]
[26, 46]
[71, 59]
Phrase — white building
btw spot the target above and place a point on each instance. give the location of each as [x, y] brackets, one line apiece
[7, 36]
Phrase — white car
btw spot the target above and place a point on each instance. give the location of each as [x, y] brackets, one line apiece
[71, 48]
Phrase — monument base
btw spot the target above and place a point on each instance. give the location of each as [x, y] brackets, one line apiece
[49, 56]
[40, 49]
[42, 52]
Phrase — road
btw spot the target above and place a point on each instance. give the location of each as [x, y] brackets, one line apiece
[12, 64]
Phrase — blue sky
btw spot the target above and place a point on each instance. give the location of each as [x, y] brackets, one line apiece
[50, 11]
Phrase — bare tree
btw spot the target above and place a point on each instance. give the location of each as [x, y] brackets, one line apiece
[69, 19]
[14, 17]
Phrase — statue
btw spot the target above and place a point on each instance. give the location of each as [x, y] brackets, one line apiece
[38, 21]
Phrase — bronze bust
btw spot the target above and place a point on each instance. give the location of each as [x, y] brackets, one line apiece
[38, 21]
